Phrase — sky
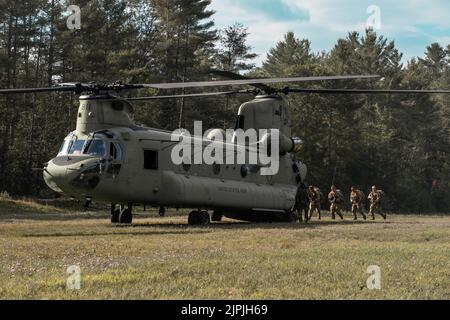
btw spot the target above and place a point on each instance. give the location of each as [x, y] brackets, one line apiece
[412, 24]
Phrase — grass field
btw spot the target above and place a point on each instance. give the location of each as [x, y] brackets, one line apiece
[159, 258]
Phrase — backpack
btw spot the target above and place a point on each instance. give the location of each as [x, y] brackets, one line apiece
[339, 195]
[321, 197]
[362, 196]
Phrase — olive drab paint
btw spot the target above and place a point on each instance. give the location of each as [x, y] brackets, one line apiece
[145, 173]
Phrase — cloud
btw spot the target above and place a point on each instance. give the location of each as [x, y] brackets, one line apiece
[412, 25]
[274, 10]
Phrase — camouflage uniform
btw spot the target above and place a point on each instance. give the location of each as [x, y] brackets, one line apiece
[301, 202]
[375, 201]
[315, 199]
[336, 203]
[357, 201]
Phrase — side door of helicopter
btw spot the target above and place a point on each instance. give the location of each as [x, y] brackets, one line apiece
[115, 160]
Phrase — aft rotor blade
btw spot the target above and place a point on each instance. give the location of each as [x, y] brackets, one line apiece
[235, 76]
[366, 91]
[180, 85]
[193, 95]
[73, 88]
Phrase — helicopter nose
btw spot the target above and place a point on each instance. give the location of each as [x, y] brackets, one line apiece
[54, 176]
[73, 175]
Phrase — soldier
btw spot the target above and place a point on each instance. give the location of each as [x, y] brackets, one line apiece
[315, 199]
[357, 201]
[336, 200]
[301, 202]
[375, 201]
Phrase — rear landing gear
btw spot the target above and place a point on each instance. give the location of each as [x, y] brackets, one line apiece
[126, 216]
[216, 216]
[199, 218]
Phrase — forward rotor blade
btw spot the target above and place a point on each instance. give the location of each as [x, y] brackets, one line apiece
[181, 85]
[365, 91]
[193, 95]
[73, 88]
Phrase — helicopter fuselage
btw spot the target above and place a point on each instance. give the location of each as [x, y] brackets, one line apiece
[144, 173]
[109, 158]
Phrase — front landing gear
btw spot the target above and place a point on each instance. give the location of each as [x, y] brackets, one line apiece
[198, 217]
[122, 215]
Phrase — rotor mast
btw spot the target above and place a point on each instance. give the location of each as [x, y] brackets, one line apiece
[101, 112]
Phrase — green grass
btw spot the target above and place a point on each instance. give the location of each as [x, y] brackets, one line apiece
[160, 258]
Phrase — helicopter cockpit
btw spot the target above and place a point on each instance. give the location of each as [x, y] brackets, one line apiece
[82, 162]
[98, 144]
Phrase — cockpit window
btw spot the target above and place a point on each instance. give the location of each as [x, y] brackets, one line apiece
[64, 147]
[119, 149]
[71, 145]
[76, 147]
[116, 151]
[96, 147]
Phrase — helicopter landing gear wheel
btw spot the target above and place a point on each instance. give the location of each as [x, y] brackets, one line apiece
[216, 216]
[115, 213]
[126, 215]
[193, 218]
[162, 211]
[198, 218]
[205, 218]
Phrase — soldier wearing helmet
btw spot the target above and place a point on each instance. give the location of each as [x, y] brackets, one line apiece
[315, 199]
[375, 202]
[336, 200]
[357, 202]
[302, 202]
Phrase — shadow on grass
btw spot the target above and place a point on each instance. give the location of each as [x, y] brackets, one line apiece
[183, 228]
[51, 217]
[61, 216]
[127, 233]
[249, 225]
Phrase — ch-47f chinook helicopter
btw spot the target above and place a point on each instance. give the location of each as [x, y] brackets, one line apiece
[108, 158]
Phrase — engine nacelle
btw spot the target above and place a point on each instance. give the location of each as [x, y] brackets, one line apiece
[286, 144]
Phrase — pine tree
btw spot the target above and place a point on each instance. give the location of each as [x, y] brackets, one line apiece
[234, 52]
[435, 58]
[187, 43]
[287, 53]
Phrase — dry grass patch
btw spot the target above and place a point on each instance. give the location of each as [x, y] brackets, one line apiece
[160, 258]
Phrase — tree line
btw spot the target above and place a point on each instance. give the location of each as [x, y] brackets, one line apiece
[400, 143]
